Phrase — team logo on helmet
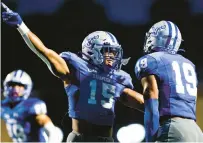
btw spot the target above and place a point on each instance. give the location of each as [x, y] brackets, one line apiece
[163, 36]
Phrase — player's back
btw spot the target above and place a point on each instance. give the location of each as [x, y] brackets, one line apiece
[177, 85]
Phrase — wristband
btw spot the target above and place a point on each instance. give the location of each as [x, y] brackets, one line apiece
[23, 29]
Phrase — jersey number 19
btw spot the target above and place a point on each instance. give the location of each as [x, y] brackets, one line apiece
[188, 74]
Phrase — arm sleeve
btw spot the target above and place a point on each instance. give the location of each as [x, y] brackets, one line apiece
[41, 56]
[151, 119]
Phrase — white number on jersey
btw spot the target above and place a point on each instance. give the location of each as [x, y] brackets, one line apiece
[108, 92]
[189, 76]
[16, 131]
[141, 64]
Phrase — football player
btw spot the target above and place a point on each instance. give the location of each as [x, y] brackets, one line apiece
[26, 118]
[93, 79]
[169, 83]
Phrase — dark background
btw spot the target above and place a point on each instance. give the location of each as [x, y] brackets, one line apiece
[65, 28]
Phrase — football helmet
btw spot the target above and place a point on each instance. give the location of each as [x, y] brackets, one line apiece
[163, 36]
[97, 43]
[17, 77]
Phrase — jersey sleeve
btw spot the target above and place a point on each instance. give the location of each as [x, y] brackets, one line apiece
[128, 82]
[66, 56]
[72, 60]
[125, 79]
[38, 108]
[145, 66]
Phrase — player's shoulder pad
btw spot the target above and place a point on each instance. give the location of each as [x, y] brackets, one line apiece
[186, 59]
[126, 79]
[146, 65]
[69, 56]
[66, 55]
[73, 59]
[37, 106]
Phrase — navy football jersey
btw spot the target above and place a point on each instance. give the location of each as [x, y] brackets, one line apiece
[21, 122]
[97, 89]
[177, 82]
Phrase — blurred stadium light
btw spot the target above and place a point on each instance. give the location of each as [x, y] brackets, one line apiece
[130, 12]
[196, 6]
[45, 7]
[127, 12]
[131, 133]
[136, 12]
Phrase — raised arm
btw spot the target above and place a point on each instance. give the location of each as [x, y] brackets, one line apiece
[55, 63]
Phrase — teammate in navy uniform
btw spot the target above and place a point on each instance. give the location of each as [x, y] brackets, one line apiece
[26, 118]
[93, 80]
[169, 87]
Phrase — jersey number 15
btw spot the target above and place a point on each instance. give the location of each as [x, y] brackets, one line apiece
[108, 92]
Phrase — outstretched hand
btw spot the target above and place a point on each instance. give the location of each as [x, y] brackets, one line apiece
[5, 8]
[9, 17]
